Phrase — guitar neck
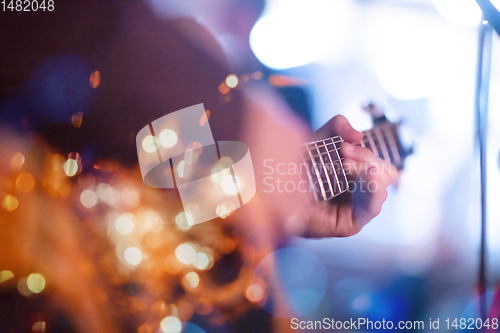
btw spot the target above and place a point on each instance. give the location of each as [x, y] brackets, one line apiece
[326, 172]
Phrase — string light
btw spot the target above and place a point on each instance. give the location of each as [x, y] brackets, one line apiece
[125, 224]
[168, 138]
[17, 161]
[10, 203]
[133, 256]
[232, 81]
[185, 253]
[76, 119]
[171, 325]
[35, 283]
[191, 280]
[95, 79]
[25, 182]
[6, 275]
[149, 144]
[88, 198]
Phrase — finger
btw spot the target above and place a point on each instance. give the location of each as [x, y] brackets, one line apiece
[356, 153]
[369, 191]
[339, 125]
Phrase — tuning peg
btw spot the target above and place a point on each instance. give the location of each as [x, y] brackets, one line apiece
[375, 111]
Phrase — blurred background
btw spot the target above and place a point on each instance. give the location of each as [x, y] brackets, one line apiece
[416, 59]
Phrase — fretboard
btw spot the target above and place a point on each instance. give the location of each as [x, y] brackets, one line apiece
[326, 173]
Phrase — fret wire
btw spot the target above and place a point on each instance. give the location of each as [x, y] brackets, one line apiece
[333, 167]
[327, 151]
[324, 167]
[338, 138]
[372, 143]
[324, 145]
[382, 144]
[320, 181]
[363, 143]
[394, 145]
[341, 168]
[309, 176]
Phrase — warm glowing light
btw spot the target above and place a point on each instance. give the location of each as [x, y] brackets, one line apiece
[17, 161]
[168, 138]
[133, 256]
[229, 186]
[124, 224]
[181, 169]
[232, 81]
[150, 220]
[22, 287]
[204, 119]
[191, 280]
[6, 275]
[35, 283]
[192, 154]
[150, 144]
[108, 194]
[185, 253]
[254, 293]
[76, 119]
[257, 75]
[202, 261]
[88, 198]
[223, 88]
[224, 209]
[184, 220]
[171, 325]
[95, 79]
[70, 167]
[10, 203]
[38, 327]
[25, 182]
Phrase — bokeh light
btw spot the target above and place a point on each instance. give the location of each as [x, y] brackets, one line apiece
[25, 182]
[204, 119]
[254, 293]
[149, 144]
[35, 283]
[10, 203]
[191, 280]
[168, 138]
[232, 81]
[6, 275]
[461, 12]
[202, 261]
[17, 161]
[133, 256]
[22, 287]
[224, 209]
[76, 119]
[301, 279]
[171, 324]
[125, 224]
[38, 327]
[184, 220]
[70, 167]
[185, 253]
[88, 198]
[95, 79]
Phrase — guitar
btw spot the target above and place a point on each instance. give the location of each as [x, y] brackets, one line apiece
[326, 173]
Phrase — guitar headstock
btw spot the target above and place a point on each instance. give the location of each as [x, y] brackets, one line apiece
[383, 139]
